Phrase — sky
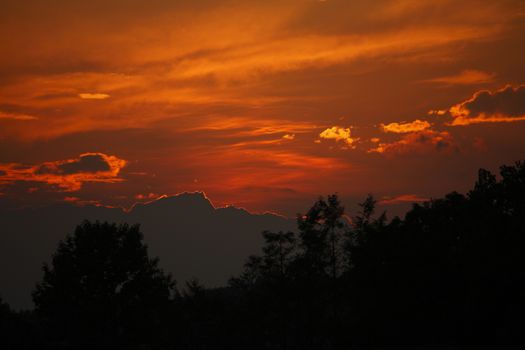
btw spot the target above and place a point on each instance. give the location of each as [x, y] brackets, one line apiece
[263, 105]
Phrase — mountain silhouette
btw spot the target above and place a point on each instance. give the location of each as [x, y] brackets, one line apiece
[192, 238]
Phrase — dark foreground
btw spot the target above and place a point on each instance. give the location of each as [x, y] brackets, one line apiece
[450, 275]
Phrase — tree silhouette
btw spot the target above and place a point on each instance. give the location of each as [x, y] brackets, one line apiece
[6, 323]
[102, 288]
[451, 273]
[320, 231]
[277, 252]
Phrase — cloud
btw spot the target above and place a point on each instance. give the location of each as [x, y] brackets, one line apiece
[289, 136]
[150, 195]
[421, 142]
[87, 163]
[93, 96]
[16, 116]
[250, 127]
[504, 105]
[218, 65]
[437, 112]
[338, 133]
[404, 198]
[401, 128]
[465, 77]
[68, 175]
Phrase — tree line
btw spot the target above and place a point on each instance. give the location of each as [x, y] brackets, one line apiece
[450, 273]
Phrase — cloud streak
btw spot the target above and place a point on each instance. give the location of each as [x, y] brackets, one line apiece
[93, 96]
[404, 198]
[16, 116]
[465, 77]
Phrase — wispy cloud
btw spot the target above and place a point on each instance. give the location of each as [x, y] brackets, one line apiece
[250, 127]
[465, 77]
[16, 116]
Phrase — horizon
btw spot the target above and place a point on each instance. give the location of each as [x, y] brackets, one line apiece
[391, 206]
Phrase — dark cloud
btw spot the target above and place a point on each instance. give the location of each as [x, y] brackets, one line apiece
[90, 163]
[509, 101]
[442, 145]
[504, 105]
[70, 174]
[422, 142]
[212, 236]
[87, 163]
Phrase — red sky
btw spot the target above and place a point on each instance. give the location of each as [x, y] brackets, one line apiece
[261, 104]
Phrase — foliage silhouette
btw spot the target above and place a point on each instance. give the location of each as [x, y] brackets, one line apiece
[451, 273]
[102, 289]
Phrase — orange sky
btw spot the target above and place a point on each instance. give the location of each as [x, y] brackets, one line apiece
[261, 104]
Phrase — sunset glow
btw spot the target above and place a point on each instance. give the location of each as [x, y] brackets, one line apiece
[264, 105]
